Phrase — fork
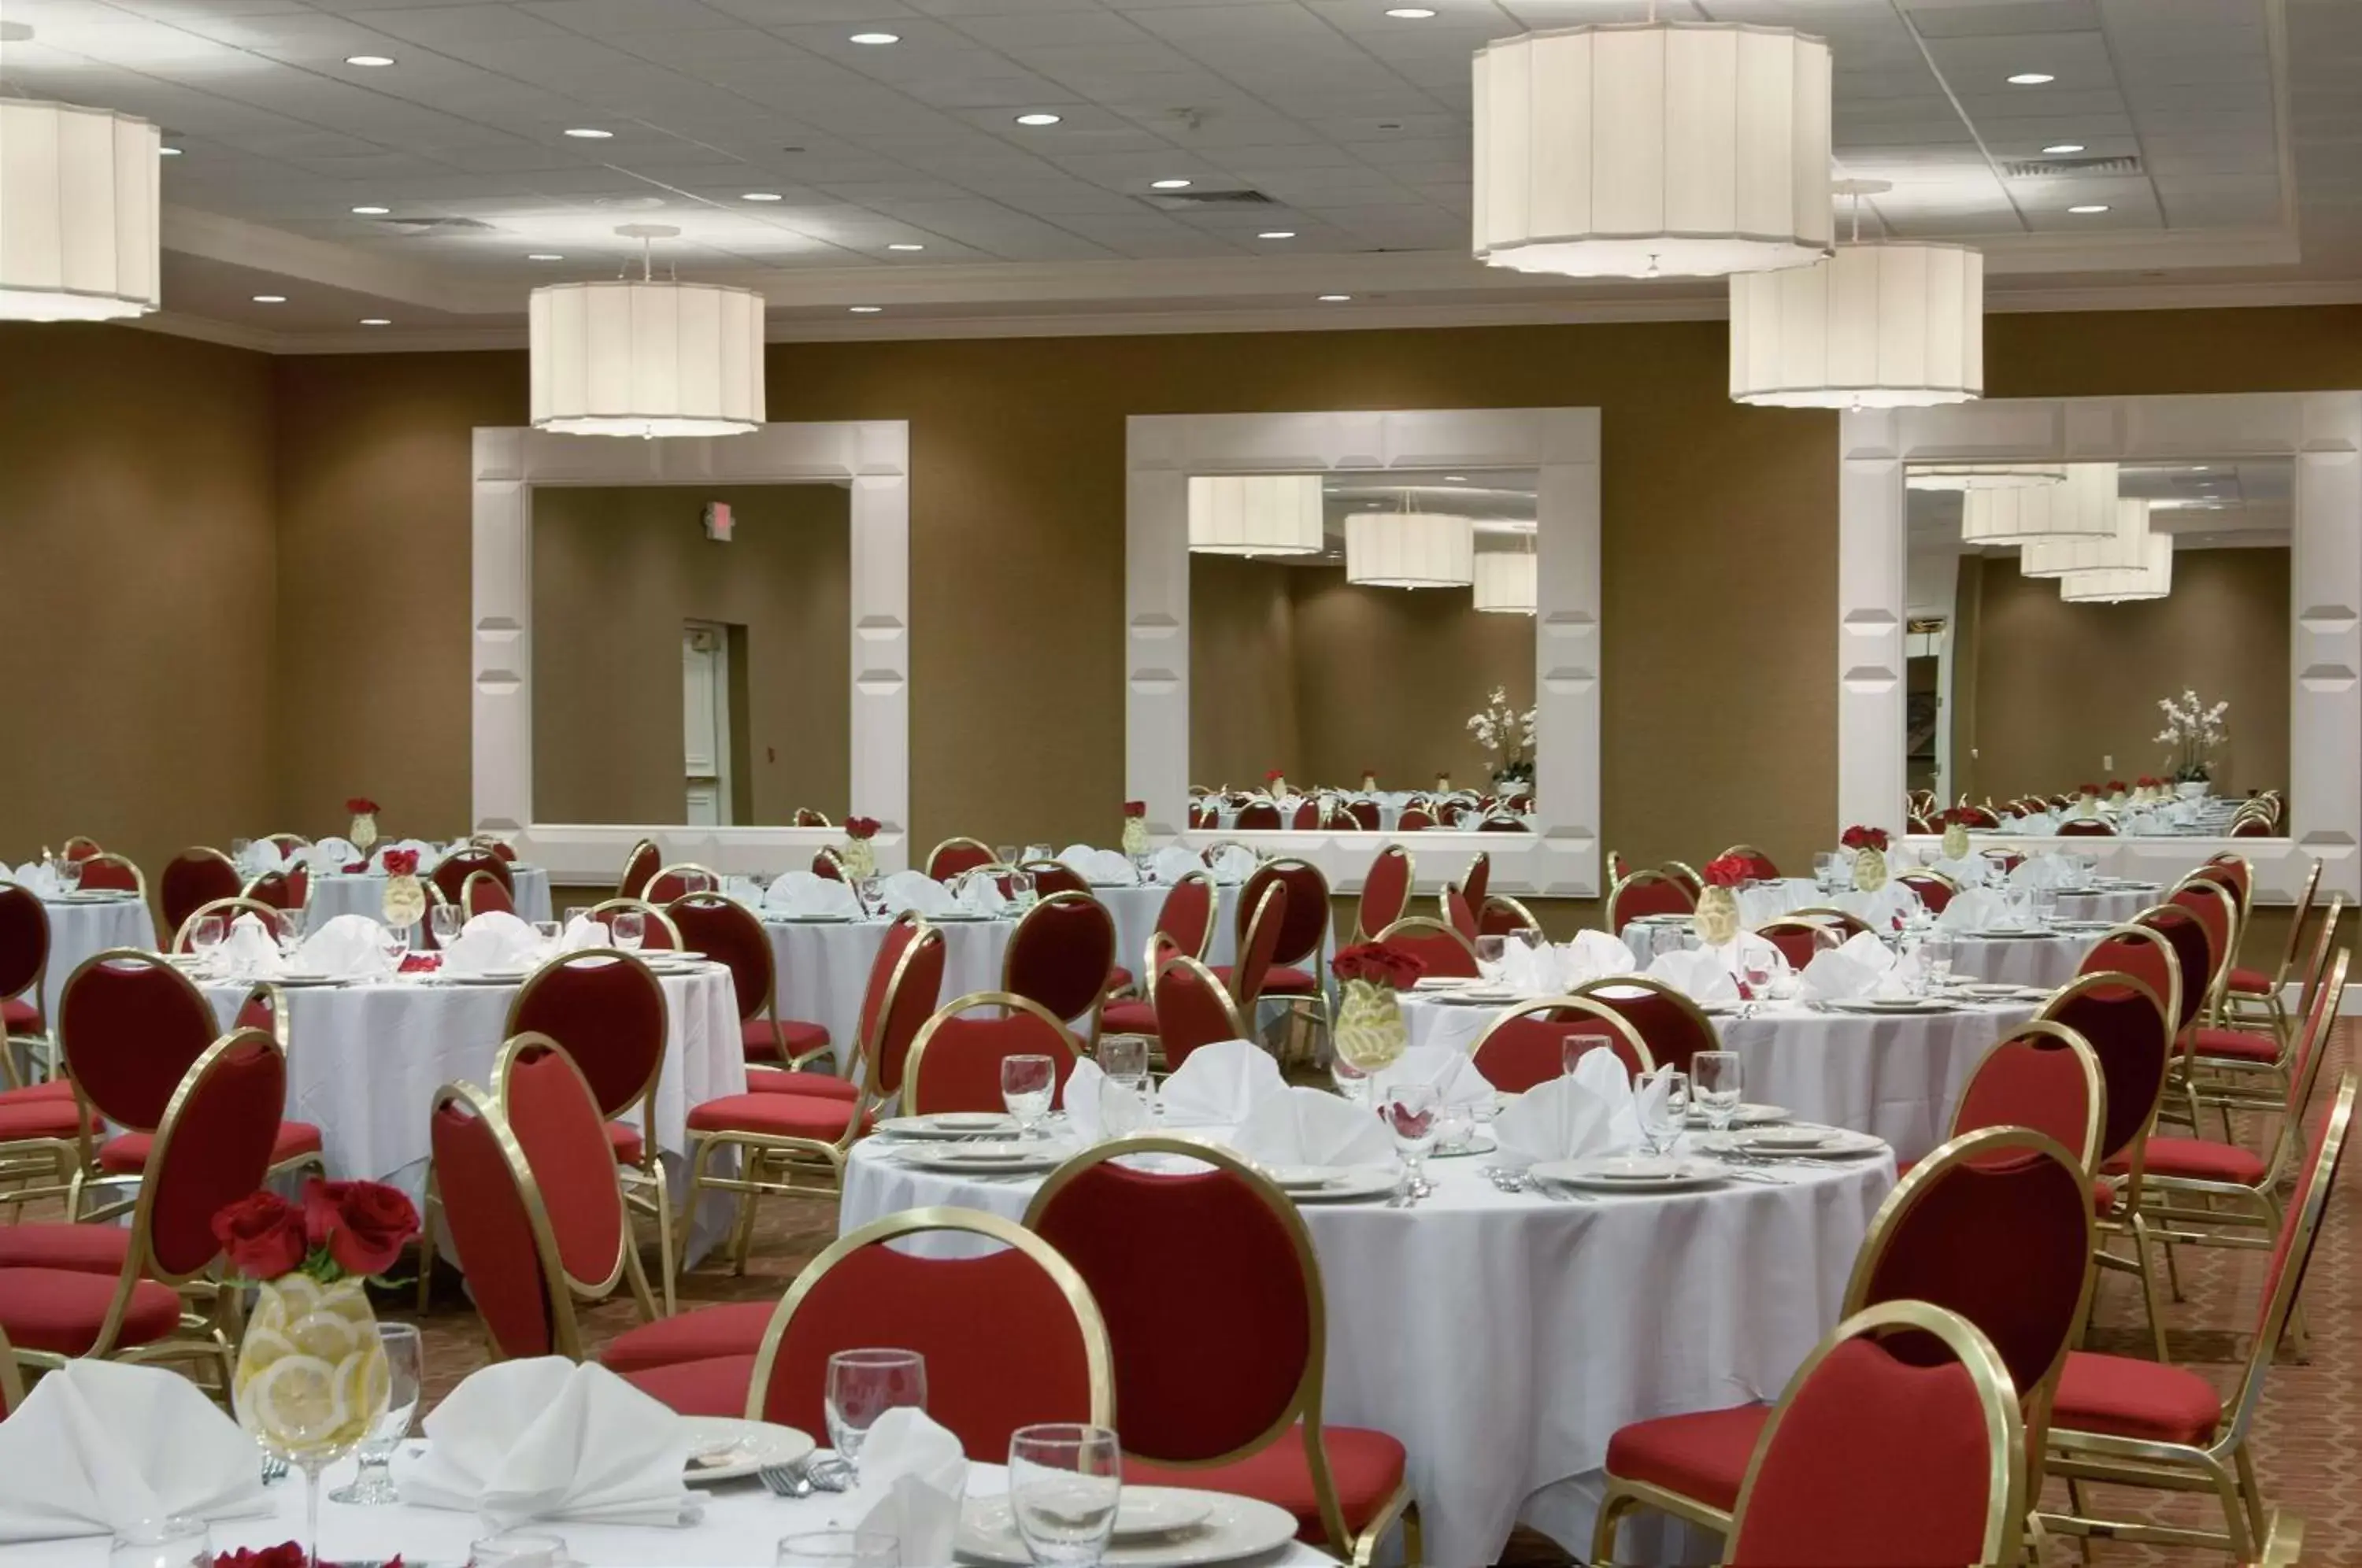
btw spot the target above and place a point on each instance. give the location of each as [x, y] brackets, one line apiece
[785, 1480]
[273, 1469]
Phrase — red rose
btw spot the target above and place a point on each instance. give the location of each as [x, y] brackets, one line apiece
[1135, 808]
[1727, 871]
[357, 867]
[2116, 786]
[1275, 773]
[402, 862]
[1861, 837]
[861, 827]
[263, 1235]
[362, 805]
[362, 1224]
[1377, 964]
[2087, 789]
[286, 1554]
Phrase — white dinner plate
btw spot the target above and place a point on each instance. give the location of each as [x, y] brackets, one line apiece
[987, 1159]
[1482, 1144]
[1352, 1184]
[1989, 988]
[1875, 1005]
[486, 978]
[1230, 1529]
[1631, 1173]
[293, 981]
[2079, 926]
[1441, 983]
[950, 1124]
[961, 917]
[1303, 1178]
[1746, 1116]
[808, 919]
[1784, 1140]
[722, 1448]
[95, 895]
[1477, 996]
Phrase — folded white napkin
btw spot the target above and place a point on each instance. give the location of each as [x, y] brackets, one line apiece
[551, 1439]
[99, 1445]
[494, 940]
[582, 933]
[1969, 871]
[914, 890]
[1174, 862]
[260, 856]
[801, 895]
[1570, 1117]
[1835, 976]
[1312, 1127]
[1101, 867]
[1233, 864]
[1595, 956]
[1699, 974]
[427, 853]
[1865, 949]
[327, 856]
[248, 951]
[1451, 1071]
[1972, 909]
[978, 892]
[36, 876]
[743, 890]
[2038, 871]
[2035, 827]
[913, 1476]
[1222, 1082]
[351, 947]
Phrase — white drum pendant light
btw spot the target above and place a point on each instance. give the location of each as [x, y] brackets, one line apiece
[1255, 514]
[1508, 583]
[1981, 476]
[1409, 549]
[78, 213]
[1885, 325]
[2153, 579]
[1635, 150]
[2127, 550]
[2082, 506]
[646, 357]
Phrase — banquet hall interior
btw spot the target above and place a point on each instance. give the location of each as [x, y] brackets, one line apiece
[1497, 781]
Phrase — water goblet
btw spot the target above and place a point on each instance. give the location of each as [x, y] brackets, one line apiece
[1027, 1082]
[1410, 1112]
[1005, 853]
[1663, 1116]
[1529, 937]
[549, 931]
[630, 929]
[1123, 1108]
[1351, 1082]
[862, 1385]
[290, 924]
[1935, 956]
[575, 912]
[405, 1365]
[206, 938]
[396, 944]
[517, 1549]
[445, 921]
[840, 1549]
[1715, 1082]
[1455, 1128]
[1021, 889]
[1038, 852]
[68, 875]
[1756, 964]
[1489, 950]
[1065, 1483]
[173, 1543]
[1124, 1059]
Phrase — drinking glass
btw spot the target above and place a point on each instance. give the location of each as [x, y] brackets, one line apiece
[517, 1548]
[1529, 937]
[1662, 1123]
[1123, 1107]
[1038, 852]
[291, 929]
[206, 938]
[396, 942]
[1021, 889]
[863, 1385]
[68, 875]
[445, 921]
[405, 1365]
[1455, 1128]
[1026, 1085]
[1824, 870]
[575, 912]
[1411, 1115]
[1351, 1082]
[1755, 966]
[1936, 955]
[1066, 1482]
[1124, 1060]
[1006, 853]
[1715, 1079]
[549, 931]
[1489, 950]
[172, 1542]
[1575, 1048]
[630, 928]
[2045, 906]
[840, 1549]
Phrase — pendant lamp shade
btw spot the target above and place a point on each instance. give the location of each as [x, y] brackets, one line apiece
[2083, 506]
[1255, 514]
[1508, 583]
[1981, 476]
[2127, 550]
[1871, 326]
[78, 213]
[2153, 579]
[1634, 150]
[1409, 549]
[647, 358]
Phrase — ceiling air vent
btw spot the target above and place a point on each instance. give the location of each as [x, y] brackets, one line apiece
[2070, 168]
[437, 224]
[1190, 200]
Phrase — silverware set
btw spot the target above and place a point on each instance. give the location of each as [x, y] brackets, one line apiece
[1504, 1180]
[273, 1469]
[805, 1477]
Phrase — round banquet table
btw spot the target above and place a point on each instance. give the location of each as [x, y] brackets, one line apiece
[340, 893]
[1504, 1338]
[740, 1528]
[823, 970]
[83, 925]
[2114, 904]
[1897, 1076]
[1135, 910]
[2046, 959]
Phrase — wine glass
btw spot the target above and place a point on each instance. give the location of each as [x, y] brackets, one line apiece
[1528, 937]
[1021, 889]
[1936, 955]
[1351, 1082]
[1489, 950]
[840, 1549]
[1124, 1059]
[575, 912]
[1715, 1080]
[517, 1549]
[549, 931]
[291, 924]
[1662, 1116]
[1006, 853]
[1065, 1483]
[1026, 1085]
[396, 944]
[630, 929]
[862, 1385]
[1410, 1112]
[205, 940]
[67, 873]
[174, 1542]
[1756, 965]
[405, 1365]
[445, 921]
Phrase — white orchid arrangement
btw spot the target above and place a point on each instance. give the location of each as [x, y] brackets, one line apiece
[2193, 729]
[1507, 734]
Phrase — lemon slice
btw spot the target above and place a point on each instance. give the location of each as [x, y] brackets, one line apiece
[295, 1404]
[365, 1385]
[264, 1346]
[328, 1335]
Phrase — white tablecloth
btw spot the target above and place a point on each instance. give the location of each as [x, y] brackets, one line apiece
[2048, 960]
[742, 1525]
[2115, 905]
[1504, 1338]
[823, 969]
[1897, 1076]
[1135, 911]
[85, 924]
[365, 894]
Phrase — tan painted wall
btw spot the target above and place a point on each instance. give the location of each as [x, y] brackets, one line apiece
[615, 573]
[1243, 714]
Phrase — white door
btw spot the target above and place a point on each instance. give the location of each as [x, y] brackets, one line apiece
[705, 723]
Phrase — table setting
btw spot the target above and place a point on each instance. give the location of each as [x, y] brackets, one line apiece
[83, 921]
[335, 889]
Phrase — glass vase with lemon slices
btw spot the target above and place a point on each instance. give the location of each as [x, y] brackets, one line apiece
[1369, 1030]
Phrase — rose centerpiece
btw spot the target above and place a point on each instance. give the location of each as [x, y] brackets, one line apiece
[363, 833]
[1135, 828]
[312, 1377]
[2087, 802]
[1370, 1034]
[2118, 792]
[1275, 783]
[1869, 847]
[1716, 919]
[860, 860]
[1956, 820]
[404, 904]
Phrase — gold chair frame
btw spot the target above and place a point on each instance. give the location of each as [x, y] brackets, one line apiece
[468, 911]
[2217, 1079]
[631, 858]
[1213, 984]
[1308, 1008]
[684, 868]
[109, 858]
[2211, 1010]
[1098, 995]
[1525, 917]
[1598, 1012]
[1611, 915]
[1410, 885]
[1591, 989]
[230, 909]
[768, 1010]
[641, 906]
[1752, 854]
[626, 1263]
[43, 1042]
[1009, 1002]
[565, 1331]
[2095, 1085]
[1428, 926]
[2266, 1013]
[959, 840]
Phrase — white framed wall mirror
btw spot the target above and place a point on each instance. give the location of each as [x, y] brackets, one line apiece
[1320, 603]
[2025, 583]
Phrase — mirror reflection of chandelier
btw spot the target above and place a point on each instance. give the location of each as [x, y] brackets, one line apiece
[2153, 579]
[1981, 476]
[1409, 549]
[2123, 549]
[1255, 514]
[1508, 583]
[2083, 505]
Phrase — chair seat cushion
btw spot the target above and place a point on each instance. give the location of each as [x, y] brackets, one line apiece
[777, 1116]
[765, 1043]
[1702, 1455]
[2201, 1159]
[2123, 1395]
[626, 1141]
[126, 1155]
[825, 1085]
[1367, 1466]
[1119, 979]
[2238, 1045]
[1128, 1018]
[2103, 1195]
[2251, 982]
[716, 1386]
[736, 1328]
[21, 1016]
[55, 1088]
[86, 1249]
[46, 1117]
[62, 1309]
[1287, 980]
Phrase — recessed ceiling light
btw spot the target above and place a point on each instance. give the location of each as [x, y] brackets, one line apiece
[169, 151]
[375, 320]
[2090, 207]
[864, 309]
[545, 256]
[588, 133]
[1455, 478]
[876, 37]
[906, 245]
[1040, 118]
[2031, 79]
[1334, 299]
[1409, 13]
[2200, 468]
[270, 299]
[1168, 184]
[372, 212]
[1276, 234]
[2061, 149]
[761, 196]
[369, 60]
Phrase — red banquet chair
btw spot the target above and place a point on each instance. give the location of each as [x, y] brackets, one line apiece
[2044, 1076]
[109, 872]
[555, 1118]
[2217, 909]
[81, 847]
[1181, 1264]
[1259, 934]
[1385, 892]
[826, 863]
[1060, 956]
[1439, 948]
[1667, 1021]
[451, 872]
[1257, 816]
[1502, 915]
[674, 882]
[639, 865]
[288, 889]
[2086, 827]
[1414, 819]
[1759, 866]
[190, 879]
[2229, 1055]
[1526, 1045]
[1797, 939]
[1646, 893]
[24, 966]
[729, 932]
[1451, 906]
[2252, 997]
[130, 1026]
[1366, 816]
[1876, 1459]
[807, 816]
[1934, 889]
[483, 893]
[1995, 1226]
[1185, 924]
[657, 933]
[954, 1060]
[1303, 929]
[72, 1290]
[1192, 1009]
[953, 856]
[1051, 876]
[1305, 818]
[1478, 884]
[228, 909]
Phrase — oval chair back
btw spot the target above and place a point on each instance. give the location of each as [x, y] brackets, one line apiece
[451, 872]
[555, 1120]
[954, 1061]
[2086, 827]
[193, 878]
[1797, 939]
[1453, 906]
[807, 816]
[1011, 1337]
[906, 980]
[106, 871]
[1385, 892]
[1758, 865]
[608, 1011]
[81, 847]
[1192, 1009]
[639, 865]
[2252, 825]
[2235, 875]
[1257, 816]
[24, 955]
[265, 1007]
[2159, 948]
[286, 843]
[1646, 893]
[1051, 877]
[1668, 1022]
[130, 1027]
[1304, 918]
[678, 880]
[657, 933]
[1934, 889]
[483, 893]
[1478, 882]
[228, 909]
[1306, 816]
[732, 934]
[1060, 955]
[1366, 816]
[1502, 915]
[2218, 911]
[2125, 1023]
[1258, 941]
[289, 889]
[2042, 1076]
[1414, 819]
[824, 862]
[1439, 949]
[953, 856]
[1928, 1455]
[1526, 1045]
[212, 1147]
[1186, 917]
[493, 1211]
